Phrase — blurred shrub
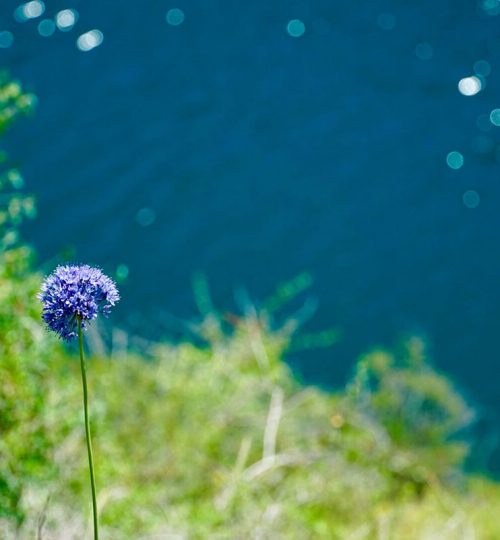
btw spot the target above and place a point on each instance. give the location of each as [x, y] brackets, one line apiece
[14, 102]
[221, 441]
[23, 441]
[415, 409]
[25, 353]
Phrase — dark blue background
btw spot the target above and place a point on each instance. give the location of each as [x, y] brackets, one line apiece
[264, 155]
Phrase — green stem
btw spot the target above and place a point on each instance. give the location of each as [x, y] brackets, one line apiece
[87, 430]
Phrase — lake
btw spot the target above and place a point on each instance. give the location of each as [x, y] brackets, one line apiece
[254, 141]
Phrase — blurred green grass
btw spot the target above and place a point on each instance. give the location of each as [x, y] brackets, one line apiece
[218, 439]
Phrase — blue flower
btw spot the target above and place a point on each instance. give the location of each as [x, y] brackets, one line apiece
[75, 292]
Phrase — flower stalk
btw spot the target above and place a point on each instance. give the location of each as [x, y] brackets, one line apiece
[87, 431]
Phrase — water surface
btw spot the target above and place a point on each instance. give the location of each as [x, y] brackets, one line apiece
[227, 146]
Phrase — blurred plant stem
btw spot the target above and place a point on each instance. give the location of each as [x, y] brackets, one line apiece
[87, 430]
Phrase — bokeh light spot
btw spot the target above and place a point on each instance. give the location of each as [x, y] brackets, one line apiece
[89, 40]
[175, 16]
[470, 86]
[30, 10]
[495, 117]
[66, 19]
[145, 217]
[122, 272]
[455, 160]
[471, 198]
[46, 27]
[491, 7]
[386, 21]
[33, 9]
[6, 39]
[296, 28]
[424, 51]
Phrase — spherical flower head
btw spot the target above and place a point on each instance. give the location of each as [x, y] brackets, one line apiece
[75, 292]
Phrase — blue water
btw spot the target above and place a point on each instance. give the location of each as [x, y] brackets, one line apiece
[226, 146]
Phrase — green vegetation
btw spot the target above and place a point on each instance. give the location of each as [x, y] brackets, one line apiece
[13, 207]
[219, 440]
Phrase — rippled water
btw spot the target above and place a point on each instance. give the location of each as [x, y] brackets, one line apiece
[254, 140]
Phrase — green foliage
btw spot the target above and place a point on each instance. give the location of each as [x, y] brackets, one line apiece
[221, 441]
[14, 102]
[416, 409]
[23, 441]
